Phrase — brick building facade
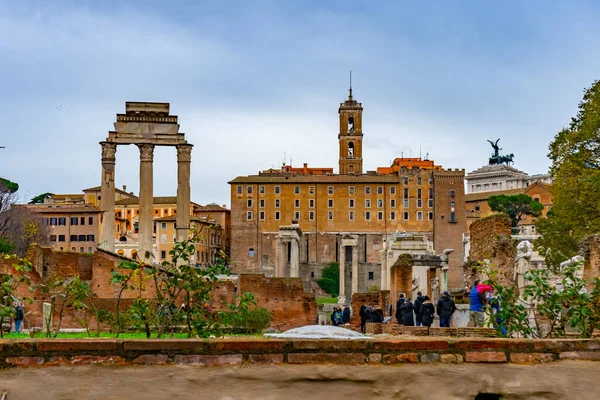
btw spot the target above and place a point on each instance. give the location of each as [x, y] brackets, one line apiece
[345, 217]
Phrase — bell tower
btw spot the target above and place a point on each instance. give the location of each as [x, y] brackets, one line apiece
[350, 136]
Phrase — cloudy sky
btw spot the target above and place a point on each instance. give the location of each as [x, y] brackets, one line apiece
[257, 82]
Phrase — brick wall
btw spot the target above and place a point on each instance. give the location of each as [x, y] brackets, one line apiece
[490, 239]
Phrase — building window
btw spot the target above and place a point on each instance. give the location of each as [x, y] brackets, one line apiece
[163, 254]
[330, 215]
[430, 203]
[73, 238]
[296, 189]
[163, 225]
[419, 216]
[329, 189]
[250, 252]
[82, 250]
[367, 189]
[262, 203]
[82, 221]
[262, 215]
[297, 215]
[163, 238]
[277, 189]
[406, 181]
[277, 203]
[89, 249]
[311, 203]
[392, 215]
[330, 203]
[90, 220]
[61, 238]
[405, 203]
[372, 276]
[277, 215]
[53, 238]
[90, 238]
[452, 217]
[379, 203]
[380, 215]
[311, 215]
[419, 180]
[239, 190]
[392, 189]
[351, 203]
[430, 216]
[431, 181]
[379, 189]
[249, 215]
[297, 203]
[477, 206]
[351, 189]
[419, 193]
[261, 189]
[419, 203]
[351, 215]
[452, 194]
[392, 203]
[368, 215]
[405, 215]
[81, 238]
[62, 221]
[367, 203]
[53, 221]
[451, 204]
[406, 193]
[311, 190]
[249, 203]
[249, 189]
[73, 249]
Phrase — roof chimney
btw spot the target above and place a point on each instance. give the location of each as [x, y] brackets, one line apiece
[124, 188]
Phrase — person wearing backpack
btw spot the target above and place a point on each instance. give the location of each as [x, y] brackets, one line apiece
[427, 312]
[445, 309]
[19, 315]
[418, 301]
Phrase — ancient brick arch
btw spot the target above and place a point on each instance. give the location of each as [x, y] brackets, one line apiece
[146, 125]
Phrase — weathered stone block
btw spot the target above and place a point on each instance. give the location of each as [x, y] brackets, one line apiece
[375, 358]
[25, 361]
[330, 345]
[240, 345]
[525, 358]
[265, 358]
[410, 345]
[97, 360]
[77, 345]
[485, 357]
[229, 359]
[192, 345]
[451, 358]
[580, 355]
[151, 359]
[324, 358]
[400, 358]
[429, 358]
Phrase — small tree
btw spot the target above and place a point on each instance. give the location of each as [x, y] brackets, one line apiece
[330, 279]
[9, 283]
[39, 199]
[516, 206]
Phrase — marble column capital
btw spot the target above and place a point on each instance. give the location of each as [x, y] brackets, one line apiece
[108, 152]
[184, 153]
[146, 152]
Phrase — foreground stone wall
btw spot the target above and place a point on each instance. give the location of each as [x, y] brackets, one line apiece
[214, 352]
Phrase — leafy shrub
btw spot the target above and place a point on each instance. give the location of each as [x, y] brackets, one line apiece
[330, 279]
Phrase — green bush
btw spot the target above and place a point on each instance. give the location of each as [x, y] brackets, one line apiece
[253, 321]
[330, 279]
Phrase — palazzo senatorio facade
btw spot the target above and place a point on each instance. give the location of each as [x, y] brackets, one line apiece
[294, 221]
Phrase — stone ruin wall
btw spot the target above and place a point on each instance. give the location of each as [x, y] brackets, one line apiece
[590, 249]
[284, 297]
[491, 240]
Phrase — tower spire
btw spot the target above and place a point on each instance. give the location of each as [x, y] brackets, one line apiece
[350, 91]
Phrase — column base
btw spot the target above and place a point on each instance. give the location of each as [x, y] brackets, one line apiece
[342, 299]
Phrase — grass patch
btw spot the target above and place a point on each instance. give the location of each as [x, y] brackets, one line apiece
[108, 335]
[327, 300]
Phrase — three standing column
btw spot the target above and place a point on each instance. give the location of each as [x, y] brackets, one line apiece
[107, 197]
[146, 223]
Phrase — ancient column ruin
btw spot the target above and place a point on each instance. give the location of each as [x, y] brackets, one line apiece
[146, 125]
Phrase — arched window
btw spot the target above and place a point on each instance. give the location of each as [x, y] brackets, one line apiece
[134, 255]
[351, 124]
[251, 252]
[350, 150]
